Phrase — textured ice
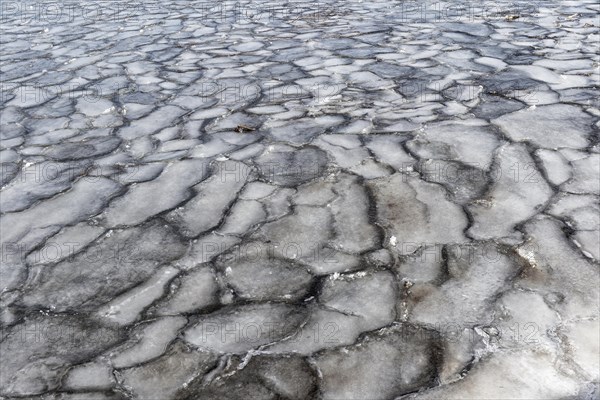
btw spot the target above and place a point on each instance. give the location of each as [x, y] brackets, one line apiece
[475, 274]
[345, 310]
[213, 196]
[259, 276]
[243, 215]
[350, 210]
[550, 126]
[517, 193]
[417, 212]
[29, 228]
[34, 365]
[190, 292]
[165, 192]
[151, 342]
[526, 375]
[90, 377]
[369, 297]
[303, 130]
[570, 285]
[161, 118]
[238, 329]
[120, 260]
[126, 308]
[425, 265]
[74, 238]
[75, 150]
[287, 166]
[300, 201]
[586, 175]
[388, 149]
[555, 166]
[463, 181]
[297, 236]
[471, 143]
[183, 364]
[206, 248]
[391, 363]
[263, 377]
[39, 181]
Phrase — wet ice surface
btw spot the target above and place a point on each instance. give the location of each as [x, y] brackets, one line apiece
[333, 200]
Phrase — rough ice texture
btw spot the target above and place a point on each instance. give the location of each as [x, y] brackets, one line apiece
[342, 200]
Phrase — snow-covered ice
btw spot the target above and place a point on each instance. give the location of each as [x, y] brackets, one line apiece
[300, 200]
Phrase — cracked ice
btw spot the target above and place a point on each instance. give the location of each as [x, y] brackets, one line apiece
[310, 200]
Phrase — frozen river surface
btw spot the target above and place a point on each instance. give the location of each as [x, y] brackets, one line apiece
[334, 200]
